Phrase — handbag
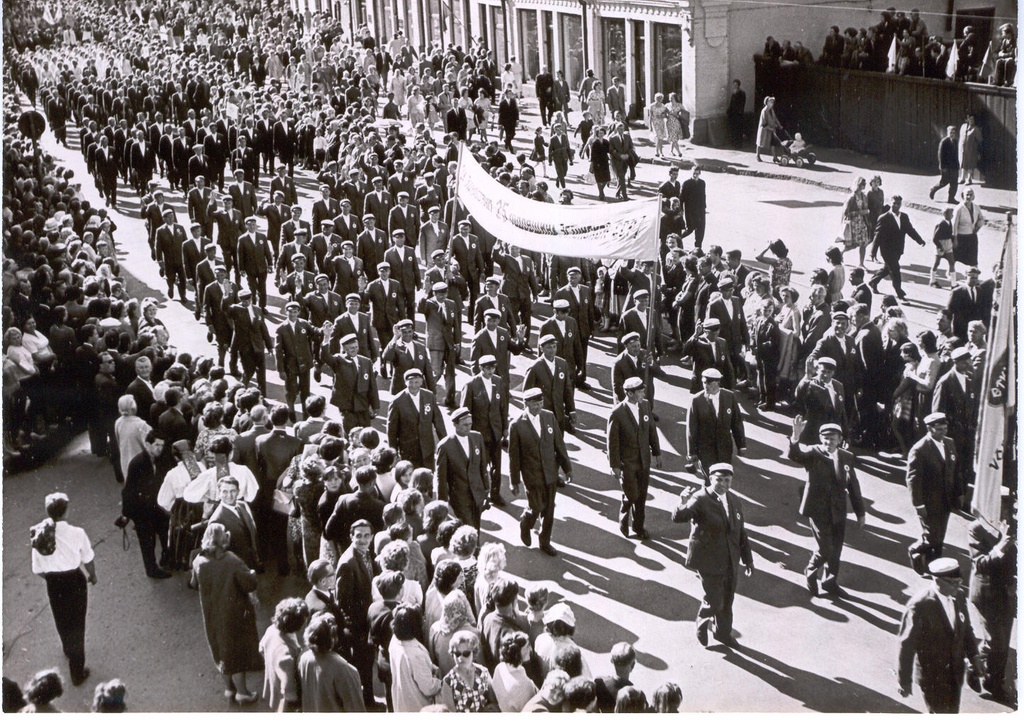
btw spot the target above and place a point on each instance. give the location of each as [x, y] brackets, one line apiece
[283, 494]
[846, 233]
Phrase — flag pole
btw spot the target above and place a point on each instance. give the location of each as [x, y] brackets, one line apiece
[654, 315]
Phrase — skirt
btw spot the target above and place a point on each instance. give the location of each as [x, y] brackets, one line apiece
[966, 250]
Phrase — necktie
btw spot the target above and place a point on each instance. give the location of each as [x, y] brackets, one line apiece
[973, 298]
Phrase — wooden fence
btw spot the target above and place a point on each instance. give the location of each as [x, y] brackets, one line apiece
[896, 118]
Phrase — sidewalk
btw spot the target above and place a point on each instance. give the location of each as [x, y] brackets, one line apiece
[835, 170]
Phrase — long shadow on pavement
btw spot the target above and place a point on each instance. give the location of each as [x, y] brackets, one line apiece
[816, 693]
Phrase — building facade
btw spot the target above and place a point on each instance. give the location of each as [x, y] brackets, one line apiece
[693, 48]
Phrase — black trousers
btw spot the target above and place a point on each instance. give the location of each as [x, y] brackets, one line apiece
[149, 532]
[635, 479]
[258, 286]
[892, 268]
[716, 606]
[697, 230]
[492, 453]
[296, 384]
[948, 177]
[69, 599]
[829, 537]
[541, 500]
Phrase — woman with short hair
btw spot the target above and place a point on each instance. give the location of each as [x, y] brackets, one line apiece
[413, 683]
[281, 647]
[467, 688]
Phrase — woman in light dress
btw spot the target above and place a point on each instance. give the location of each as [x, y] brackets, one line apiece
[596, 103]
[657, 121]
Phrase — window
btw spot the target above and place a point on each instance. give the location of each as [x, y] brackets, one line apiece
[613, 37]
[668, 53]
[528, 40]
[571, 29]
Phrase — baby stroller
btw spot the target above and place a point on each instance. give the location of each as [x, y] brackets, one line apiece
[795, 151]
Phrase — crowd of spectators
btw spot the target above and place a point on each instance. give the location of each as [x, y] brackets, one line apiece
[900, 43]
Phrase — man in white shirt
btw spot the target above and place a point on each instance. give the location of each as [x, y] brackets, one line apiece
[66, 587]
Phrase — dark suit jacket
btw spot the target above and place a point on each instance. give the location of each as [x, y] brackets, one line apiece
[815, 403]
[143, 395]
[558, 388]
[350, 508]
[274, 452]
[625, 367]
[733, 329]
[384, 305]
[243, 533]
[699, 348]
[443, 333]
[870, 363]
[468, 253]
[890, 235]
[355, 591]
[939, 648]
[321, 310]
[824, 496]
[405, 268]
[570, 345]
[460, 479]
[710, 436]
[489, 412]
[536, 460]
[410, 432]
[175, 426]
[630, 444]
[583, 312]
[964, 310]
[499, 303]
[343, 326]
[355, 385]
[249, 336]
[844, 353]
[294, 349]
[933, 482]
[244, 451]
[959, 405]
[716, 542]
[482, 345]
[402, 361]
[517, 282]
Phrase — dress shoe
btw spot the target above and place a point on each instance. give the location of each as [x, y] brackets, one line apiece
[524, 535]
[81, 679]
[643, 535]
[873, 285]
[812, 583]
[702, 635]
[159, 573]
[901, 295]
[831, 588]
[931, 193]
[561, 483]
[546, 547]
[583, 385]
[726, 639]
[624, 527]
[317, 375]
[498, 502]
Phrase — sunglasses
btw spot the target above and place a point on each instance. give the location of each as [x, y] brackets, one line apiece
[463, 654]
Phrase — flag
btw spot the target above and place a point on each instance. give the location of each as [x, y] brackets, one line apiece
[48, 16]
[618, 230]
[985, 70]
[951, 65]
[999, 398]
[892, 56]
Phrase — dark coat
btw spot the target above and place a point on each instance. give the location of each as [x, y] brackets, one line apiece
[410, 432]
[535, 460]
[824, 494]
[710, 436]
[716, 542]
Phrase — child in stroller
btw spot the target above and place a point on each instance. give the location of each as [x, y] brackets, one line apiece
[795, 151]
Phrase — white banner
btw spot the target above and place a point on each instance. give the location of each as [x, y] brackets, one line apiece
[616, 230]
[999, 398]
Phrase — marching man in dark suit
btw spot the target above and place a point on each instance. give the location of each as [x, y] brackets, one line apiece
[934, 488]
[255, 259]
[536, 451]
[891, 232]
[493, 340]
[294, 356]
[551, 375]
[355, 383]
[830, 478]
[936, 632]
[250, 339]
[713, 424]
[632, 444]
[486, 399]
[718, 545]
[956, 396]
[444, 337]
[404, 352]
[459, 471]
[413, 419]
[584, 312]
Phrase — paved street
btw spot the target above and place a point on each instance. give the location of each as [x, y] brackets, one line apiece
[795, 653]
